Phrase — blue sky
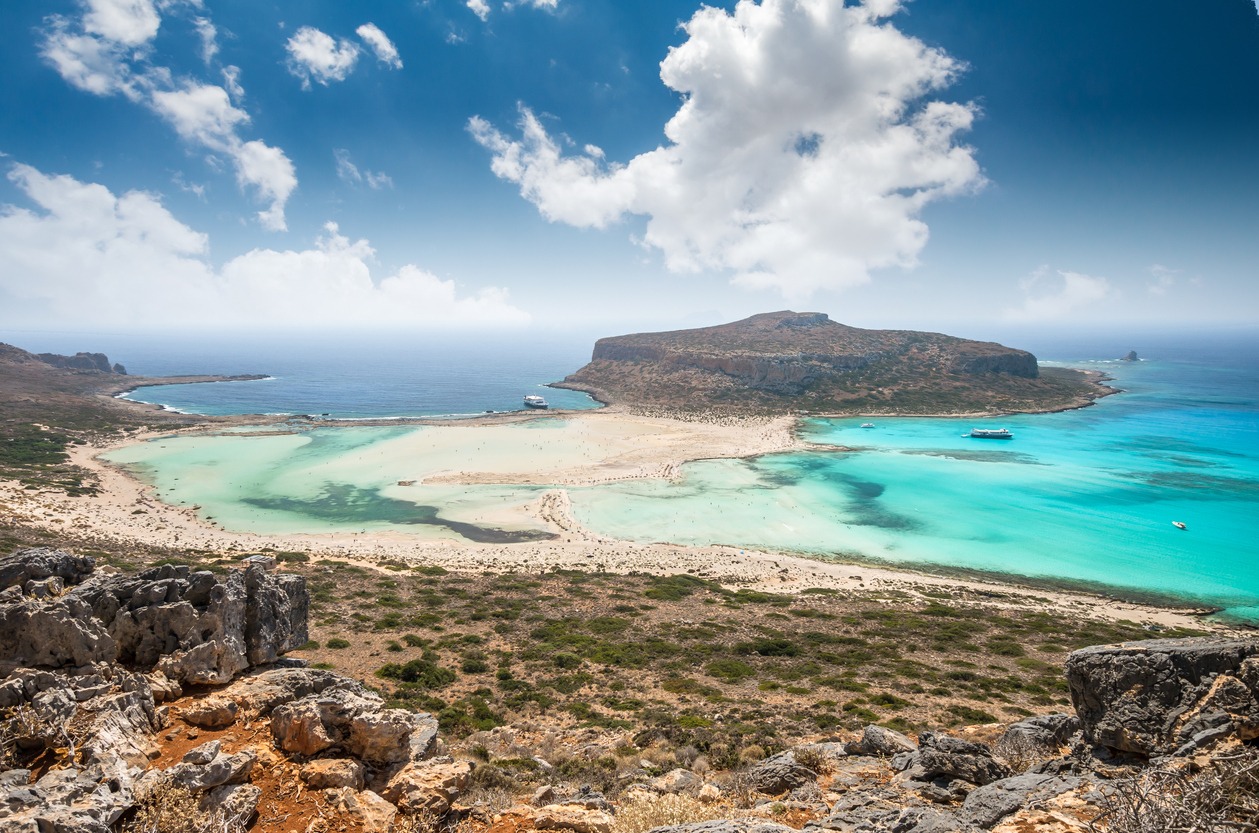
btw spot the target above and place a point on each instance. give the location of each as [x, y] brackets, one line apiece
[538, 163]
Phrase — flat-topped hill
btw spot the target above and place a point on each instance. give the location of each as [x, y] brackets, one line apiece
[792, 361]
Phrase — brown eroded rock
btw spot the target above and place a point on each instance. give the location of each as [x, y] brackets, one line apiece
[333, 773]
[428, 786]
[212, 712]
[364, 810]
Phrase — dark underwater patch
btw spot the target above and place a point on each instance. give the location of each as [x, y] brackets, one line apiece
[977, 456]
[343, 503]
[1216, 486]
[1160, 447]
[865, 508]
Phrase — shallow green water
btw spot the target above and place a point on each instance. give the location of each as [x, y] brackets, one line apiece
[1087, 495]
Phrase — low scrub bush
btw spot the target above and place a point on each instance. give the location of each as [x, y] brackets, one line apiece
[422, 672]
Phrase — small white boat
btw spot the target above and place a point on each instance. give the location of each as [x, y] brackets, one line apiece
[1179, 524]
[867, 425]
[534, 401]
[991, 433]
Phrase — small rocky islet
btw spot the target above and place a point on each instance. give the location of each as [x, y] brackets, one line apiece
[163, 700]
[803, 362]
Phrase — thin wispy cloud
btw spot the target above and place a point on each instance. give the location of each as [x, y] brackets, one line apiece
[350, 173]
[209, 34]
[84, 254]
[1053, 295]
[803, 153]
[385, 50]
[1162, 279]
[481, 8]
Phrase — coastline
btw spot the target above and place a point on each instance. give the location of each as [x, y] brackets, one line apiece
[126, 513]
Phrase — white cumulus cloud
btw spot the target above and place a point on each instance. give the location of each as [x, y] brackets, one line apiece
[105, 52]
[317, 56]
[127, 22]
[89, 62]
[803, 153]
[480, 8]
[83, 254]
[380, 44]
[204, 113]
[200, 113]
[1056, 294]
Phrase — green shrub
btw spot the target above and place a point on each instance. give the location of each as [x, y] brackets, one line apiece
[674, 588]
[422, 672]
[768, 648]
[338, 643]
[731, 670]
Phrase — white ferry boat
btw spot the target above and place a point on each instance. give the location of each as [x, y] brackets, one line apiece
[534, 401]
[991, 433]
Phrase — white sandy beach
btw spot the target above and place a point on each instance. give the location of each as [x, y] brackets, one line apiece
[561, 450]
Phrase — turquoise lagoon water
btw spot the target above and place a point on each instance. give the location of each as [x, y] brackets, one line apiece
[1080, 496]
[321, 480]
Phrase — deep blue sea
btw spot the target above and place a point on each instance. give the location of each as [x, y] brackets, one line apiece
[366, 376]
[1085, 496]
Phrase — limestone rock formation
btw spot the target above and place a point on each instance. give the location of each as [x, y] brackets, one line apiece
[86, 685]
[788, 361]
[97, 362]
[1154, 697]
[941, 755]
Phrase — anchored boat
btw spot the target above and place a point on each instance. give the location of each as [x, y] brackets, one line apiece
[534, 401]
[991, 433]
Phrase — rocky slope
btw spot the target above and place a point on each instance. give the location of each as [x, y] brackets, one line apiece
[162, 702]
[789, 361]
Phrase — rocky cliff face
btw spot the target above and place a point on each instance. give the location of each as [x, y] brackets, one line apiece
[97, 362]
[793, 361]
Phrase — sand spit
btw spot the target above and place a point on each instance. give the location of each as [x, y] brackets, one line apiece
[605, 445]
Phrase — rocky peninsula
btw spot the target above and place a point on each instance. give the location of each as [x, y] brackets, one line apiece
[790, 362]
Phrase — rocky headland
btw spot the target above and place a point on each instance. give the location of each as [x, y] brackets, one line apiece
[790, 362]
[162, 701]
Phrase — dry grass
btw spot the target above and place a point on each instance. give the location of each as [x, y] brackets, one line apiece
[642, 814]
[170, 809]
[1021, 752]
[1179, 798]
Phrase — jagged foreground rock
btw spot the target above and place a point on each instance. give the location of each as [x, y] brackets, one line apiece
[1166, 696]
[88, 660]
